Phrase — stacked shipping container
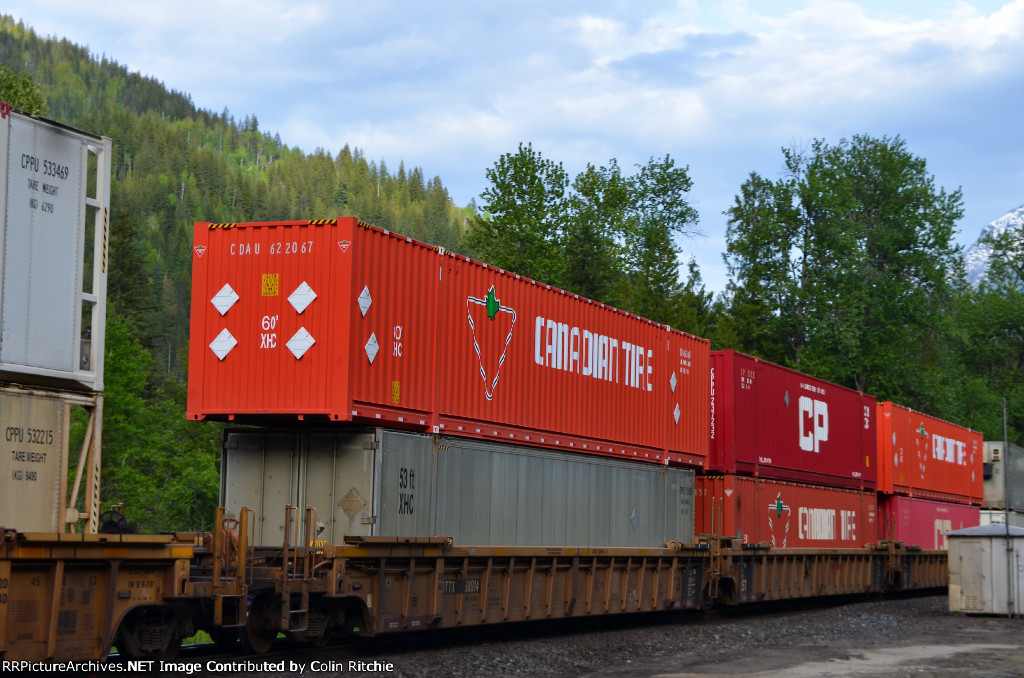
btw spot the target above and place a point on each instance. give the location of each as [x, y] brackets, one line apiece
[772, 424]
[378, 482]
[921, 456]
[353, 323]
[930, 474]
[923, 522]
[796, 454]
[344, 322]
[55, 197]
[785, 515]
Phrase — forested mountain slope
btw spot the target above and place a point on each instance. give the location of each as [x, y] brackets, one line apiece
[174, 164]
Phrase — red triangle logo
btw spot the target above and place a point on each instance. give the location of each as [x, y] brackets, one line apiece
[200, 249]
[344, 244]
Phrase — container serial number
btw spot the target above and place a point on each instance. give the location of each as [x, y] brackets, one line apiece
[293, 247]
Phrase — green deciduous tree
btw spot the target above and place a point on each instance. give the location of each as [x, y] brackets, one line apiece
[608, 236]
[846, 266]
[659, 213]
[18, 90]
[990, 323]
[592, 240]
[525, 207]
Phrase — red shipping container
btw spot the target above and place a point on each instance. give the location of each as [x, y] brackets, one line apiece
[785, 515]
[921, 456]
[343, 320]
[923, 522]
[770, 421]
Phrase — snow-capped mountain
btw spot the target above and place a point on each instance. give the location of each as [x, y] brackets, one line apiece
[977, 256]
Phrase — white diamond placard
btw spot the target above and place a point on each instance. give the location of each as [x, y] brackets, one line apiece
[300, 342]
[371, 347]
[675, 414]
[302, 297]
[672, 382]
[225, 299]
[365, 301]
[223, 344]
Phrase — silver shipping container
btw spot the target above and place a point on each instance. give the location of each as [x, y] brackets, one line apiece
[1004, 476]
[33, 464]
[378, 482]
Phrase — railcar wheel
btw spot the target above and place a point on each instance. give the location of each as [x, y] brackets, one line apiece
[323, 640]
[149, 634]
[707, 601]
[318, 631]
[259, 633]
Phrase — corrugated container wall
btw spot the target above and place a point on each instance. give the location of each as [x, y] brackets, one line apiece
[921, 456]
[785, 515]
[774, 422]
[353, 323]
[923, 522]
[1003, 476]
[379, 482]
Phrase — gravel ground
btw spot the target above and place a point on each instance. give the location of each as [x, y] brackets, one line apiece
[886, 638]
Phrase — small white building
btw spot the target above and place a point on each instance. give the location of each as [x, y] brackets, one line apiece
[986, 570]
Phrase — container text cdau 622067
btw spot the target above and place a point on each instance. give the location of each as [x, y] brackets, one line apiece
[349, 322]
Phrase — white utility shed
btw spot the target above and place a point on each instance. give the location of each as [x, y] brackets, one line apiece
[986, 570]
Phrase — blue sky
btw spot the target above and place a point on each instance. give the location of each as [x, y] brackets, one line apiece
[720, 86]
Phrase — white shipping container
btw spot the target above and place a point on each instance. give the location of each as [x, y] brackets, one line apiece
[377, 482]
[1004, 475]
[53, 252]
[998, 517]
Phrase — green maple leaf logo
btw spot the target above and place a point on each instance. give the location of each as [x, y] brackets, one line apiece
[922, 432]
[778, 504]
[492, 304]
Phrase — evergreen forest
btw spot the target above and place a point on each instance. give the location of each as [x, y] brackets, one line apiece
[844, 268]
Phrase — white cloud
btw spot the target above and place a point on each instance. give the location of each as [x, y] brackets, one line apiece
[721, 86]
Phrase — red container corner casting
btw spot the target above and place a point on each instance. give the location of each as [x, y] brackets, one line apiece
[343, 320]
[921, 456]
[770, 421]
